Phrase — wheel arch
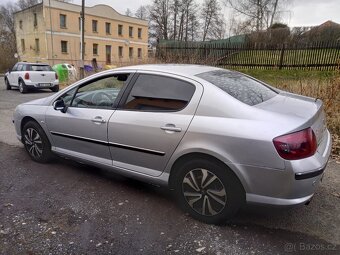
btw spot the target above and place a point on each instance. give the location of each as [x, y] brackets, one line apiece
[25, 120]
[199, 155]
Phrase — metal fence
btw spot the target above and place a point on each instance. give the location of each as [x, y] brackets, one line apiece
[316, 55]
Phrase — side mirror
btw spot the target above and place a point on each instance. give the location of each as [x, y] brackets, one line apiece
[59, 105]
[9, 70]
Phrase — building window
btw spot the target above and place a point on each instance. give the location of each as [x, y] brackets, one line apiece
[139, 52]
[64, 46]
[62, 18]
[130, 52]
[120, 51]
[35, 20]
[108, 28]
[23, 45]
[94, 26]
[139, 33]
[20, 24]
[120, 29]
[131, 31]
[95, 49]
[37, 46]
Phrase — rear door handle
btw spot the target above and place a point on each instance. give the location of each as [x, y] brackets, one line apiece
[98, 119]
[171, 128]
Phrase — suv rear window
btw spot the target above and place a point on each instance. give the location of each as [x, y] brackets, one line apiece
[241, 87]
[40, 68]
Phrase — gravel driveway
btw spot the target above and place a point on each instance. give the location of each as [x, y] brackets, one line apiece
[68, 208]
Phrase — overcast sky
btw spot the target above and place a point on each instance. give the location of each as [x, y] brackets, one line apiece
[300, 12]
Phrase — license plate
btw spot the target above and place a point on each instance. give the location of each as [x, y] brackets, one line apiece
[44, 84]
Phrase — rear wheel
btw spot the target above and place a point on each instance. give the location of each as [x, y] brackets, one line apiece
[55, 88]
[8, 86]
[36, 142]
[22, 87]
[208, 191]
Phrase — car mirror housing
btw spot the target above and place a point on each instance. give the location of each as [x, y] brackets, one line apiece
[59, 105]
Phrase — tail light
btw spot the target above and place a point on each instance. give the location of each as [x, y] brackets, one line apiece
[297, 145]
[27, 76]
[56, 76]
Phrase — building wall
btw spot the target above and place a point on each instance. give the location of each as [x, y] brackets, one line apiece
[71, 34]
[25, 30]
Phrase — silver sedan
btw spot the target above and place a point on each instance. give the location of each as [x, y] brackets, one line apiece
[216, 137]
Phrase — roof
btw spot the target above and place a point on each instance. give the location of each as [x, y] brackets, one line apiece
[33, 63]
[100, 10]
[179, 69]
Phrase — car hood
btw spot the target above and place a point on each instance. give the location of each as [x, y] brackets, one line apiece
[41, 101]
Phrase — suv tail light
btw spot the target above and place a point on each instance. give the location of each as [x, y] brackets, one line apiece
[27, 76]
[56, 76]
[297, 145]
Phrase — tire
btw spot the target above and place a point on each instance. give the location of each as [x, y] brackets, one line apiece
[8, 86]
[22, 87]
[213, 201]
[36, 142]
[55, 88]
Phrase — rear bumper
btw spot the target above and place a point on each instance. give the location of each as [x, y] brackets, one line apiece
[38, 85]
[294, 185]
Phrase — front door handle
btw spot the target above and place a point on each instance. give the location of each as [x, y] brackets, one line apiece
[171, 128]
[98, 119]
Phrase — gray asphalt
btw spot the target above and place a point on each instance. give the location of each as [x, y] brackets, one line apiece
[68, 208]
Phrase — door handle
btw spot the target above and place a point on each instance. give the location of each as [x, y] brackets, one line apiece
[171, 127]
[98, 120]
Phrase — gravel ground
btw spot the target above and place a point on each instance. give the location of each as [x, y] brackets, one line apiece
[68, 208]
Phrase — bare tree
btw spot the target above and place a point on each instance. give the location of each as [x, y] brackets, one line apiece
[128, 12]
[259, 14]
[213, 22]
[160, 19]
[23, 4]
[142, 12]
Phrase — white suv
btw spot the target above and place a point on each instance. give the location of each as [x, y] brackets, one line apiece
[27, 76]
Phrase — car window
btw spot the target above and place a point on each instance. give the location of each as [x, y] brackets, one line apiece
[241, 87]
[159, 93]
[40, 68]
[100, 93]
[67, 97]
[15, 67]
[19, 67]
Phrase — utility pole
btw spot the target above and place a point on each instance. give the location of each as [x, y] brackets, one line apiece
[49, 8]
[82, 41]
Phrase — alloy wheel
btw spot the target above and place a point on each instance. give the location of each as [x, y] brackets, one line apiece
[21, 87]
[33, 142]
[204, 192]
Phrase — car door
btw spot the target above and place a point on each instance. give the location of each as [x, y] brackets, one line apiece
[13, 75]
[153, 116]
[81, 131]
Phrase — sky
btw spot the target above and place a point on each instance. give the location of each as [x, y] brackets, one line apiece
[300, 12]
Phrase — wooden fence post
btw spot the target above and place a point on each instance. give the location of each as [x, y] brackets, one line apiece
[281, 56]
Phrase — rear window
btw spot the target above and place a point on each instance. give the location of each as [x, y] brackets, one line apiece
[40, 68]
[243, 88]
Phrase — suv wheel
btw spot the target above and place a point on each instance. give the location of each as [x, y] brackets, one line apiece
[22, 87]
[8, 86]
[208, 191]
[36, 142]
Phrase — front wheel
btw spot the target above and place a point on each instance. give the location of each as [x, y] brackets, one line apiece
[8, 86]
[208, 191]
[22, 87]
[36, 142]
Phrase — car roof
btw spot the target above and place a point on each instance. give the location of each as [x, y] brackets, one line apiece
[180, 69]
[36, 64]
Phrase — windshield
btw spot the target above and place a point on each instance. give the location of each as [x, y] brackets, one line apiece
[241, 87]
[40, 68]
